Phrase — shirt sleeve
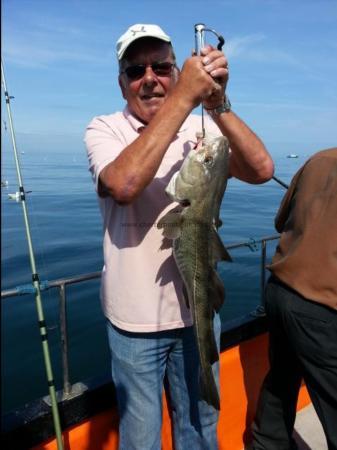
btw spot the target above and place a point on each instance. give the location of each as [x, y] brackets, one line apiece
[314, 182]
[103, 143]
[284, 209]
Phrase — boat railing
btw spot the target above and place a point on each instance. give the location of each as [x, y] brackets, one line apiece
[62, 283]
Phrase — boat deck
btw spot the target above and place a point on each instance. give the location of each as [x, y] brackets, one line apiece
[309, 433]
[90, 420]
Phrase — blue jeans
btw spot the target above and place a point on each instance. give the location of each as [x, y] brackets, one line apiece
[139, 363]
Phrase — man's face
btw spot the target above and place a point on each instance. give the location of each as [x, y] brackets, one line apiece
[147, 93]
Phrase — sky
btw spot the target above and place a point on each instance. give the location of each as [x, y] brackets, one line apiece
[60, 64]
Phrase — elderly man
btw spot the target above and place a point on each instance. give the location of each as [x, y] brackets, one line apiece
[132, 156]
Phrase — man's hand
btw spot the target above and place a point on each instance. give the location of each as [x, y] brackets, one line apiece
[216, 65]
[203, 78]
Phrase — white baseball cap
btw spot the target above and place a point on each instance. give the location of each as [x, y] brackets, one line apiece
[137, 31]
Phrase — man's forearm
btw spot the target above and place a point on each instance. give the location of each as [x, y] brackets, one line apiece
[250, 160]
[127, 176]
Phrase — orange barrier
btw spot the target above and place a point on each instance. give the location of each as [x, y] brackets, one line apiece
[242, 370]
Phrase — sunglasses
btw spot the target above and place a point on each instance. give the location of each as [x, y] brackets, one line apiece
[161, 69]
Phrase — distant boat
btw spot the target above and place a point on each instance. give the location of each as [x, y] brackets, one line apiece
[292, 155]
[4, 183]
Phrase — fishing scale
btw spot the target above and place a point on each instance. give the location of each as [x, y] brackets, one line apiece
[199, 30]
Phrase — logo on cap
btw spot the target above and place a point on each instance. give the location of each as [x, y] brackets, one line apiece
[142, 30]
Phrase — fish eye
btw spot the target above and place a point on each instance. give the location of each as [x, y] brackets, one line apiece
[208, 160]
[185, 203]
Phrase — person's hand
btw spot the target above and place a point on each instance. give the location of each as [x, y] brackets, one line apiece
[216, 65]
[195, 84]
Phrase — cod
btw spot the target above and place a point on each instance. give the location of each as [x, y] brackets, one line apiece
[199, 187]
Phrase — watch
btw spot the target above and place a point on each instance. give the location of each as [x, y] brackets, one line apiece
[225, 107]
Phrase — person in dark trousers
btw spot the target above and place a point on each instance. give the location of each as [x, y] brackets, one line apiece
[301, 306]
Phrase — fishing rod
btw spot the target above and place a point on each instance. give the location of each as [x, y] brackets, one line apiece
[35, 277]
[199, 32]
[282, 183]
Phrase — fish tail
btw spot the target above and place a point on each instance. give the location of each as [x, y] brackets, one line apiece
[208, 387]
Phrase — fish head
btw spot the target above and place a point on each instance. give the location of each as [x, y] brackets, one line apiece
[202, 168]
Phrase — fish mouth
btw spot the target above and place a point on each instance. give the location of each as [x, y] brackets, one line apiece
[184, 203]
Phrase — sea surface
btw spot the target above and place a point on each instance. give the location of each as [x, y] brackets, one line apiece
[66, 234]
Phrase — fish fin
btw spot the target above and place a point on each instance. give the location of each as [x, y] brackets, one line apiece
[171, 187]
[219, 251]
[171, 224]
[208, 349]
[185, 293]
[216, 290]
[217, 223]
[208, 388]
[213, 354]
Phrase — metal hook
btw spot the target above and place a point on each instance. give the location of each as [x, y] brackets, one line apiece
[220, 38]
[200, 29]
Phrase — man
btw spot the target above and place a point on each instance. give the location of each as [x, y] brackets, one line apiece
[132, 156]
[301, 305]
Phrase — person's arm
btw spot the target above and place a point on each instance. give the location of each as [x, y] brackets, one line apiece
[135, 167]
[250, 161]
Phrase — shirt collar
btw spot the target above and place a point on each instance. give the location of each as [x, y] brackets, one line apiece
[135, 123]
[139, 126]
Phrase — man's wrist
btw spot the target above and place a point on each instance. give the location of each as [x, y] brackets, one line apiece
[225, 107]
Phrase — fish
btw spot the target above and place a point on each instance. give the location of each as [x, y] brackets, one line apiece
[198, 188]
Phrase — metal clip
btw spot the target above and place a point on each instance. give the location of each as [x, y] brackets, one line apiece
[200, 29]
[18, 196]
[252, 244]
[30, 288]
[15, 196]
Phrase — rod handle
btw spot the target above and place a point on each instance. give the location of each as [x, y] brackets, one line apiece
[199, 30]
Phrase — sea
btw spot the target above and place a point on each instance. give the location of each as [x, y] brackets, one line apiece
[66, 231]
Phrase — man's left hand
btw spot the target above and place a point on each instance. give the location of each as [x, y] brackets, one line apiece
[216, 65]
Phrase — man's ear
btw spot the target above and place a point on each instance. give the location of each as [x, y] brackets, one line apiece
[121, 85]
[176, 73]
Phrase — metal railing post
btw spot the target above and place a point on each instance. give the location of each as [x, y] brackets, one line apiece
[263, 271]
[61, 284]
[64, 340]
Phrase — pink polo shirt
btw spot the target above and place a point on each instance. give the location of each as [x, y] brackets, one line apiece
[141, 289]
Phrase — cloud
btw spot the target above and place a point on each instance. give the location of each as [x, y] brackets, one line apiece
[39, 41]
[256, 47]
[290, 106]
[240, 45]
[43, 54]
